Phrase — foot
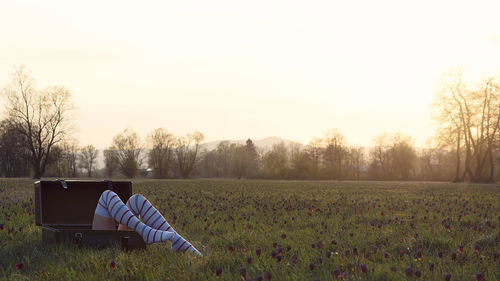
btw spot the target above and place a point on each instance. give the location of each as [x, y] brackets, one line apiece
[179, 244]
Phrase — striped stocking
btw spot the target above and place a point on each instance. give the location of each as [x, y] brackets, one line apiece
[141, 206]
[110, 206]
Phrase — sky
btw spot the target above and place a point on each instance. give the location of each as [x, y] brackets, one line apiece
[250, 69]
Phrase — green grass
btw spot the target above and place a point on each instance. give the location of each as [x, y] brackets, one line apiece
[395, 217]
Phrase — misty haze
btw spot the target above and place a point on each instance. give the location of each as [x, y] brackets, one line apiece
[260, 140]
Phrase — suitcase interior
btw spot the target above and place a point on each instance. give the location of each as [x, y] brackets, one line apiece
[65, 210]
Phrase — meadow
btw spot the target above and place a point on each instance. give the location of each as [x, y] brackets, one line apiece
[278, 230]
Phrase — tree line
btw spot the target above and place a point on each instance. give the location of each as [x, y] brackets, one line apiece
[329, 157]
[36, 140]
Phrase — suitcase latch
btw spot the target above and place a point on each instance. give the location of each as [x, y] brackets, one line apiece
[63, 184]
[125, 243]
[77, 240]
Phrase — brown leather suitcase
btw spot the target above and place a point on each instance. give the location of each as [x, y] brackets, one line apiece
[65, 210]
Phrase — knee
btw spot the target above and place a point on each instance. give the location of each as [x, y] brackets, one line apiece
[137, 198]
[134, 201]
[107, 194]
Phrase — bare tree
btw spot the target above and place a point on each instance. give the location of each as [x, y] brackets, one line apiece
[110, 162]
[315, 150]
[160, 155]
[13, 153]
[253, 164]
[87, 157]
[209, 164]
[128, 148]
[70, 151]
[354, 161]
[40, 116]
[427, 160]
[224, 155]
[295, 153]
[403, 156]
[300, 161]
[392, 157]
[186, 152]
[380, 166]
[240, 160]
[57, 166]
[470, 113]
[276, 161]
[334, 153]
[435, 162]
[450, 115]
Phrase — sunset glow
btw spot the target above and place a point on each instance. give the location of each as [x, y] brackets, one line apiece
[234, 70]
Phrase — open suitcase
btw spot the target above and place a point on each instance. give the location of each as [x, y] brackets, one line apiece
[65, 210]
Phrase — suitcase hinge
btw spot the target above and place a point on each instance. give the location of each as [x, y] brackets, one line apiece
[109, 184]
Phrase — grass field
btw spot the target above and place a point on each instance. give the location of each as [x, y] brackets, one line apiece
[303, 230]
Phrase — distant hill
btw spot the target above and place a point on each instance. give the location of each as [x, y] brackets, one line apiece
[265, 144]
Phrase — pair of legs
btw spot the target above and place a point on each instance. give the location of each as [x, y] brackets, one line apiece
[153, 227]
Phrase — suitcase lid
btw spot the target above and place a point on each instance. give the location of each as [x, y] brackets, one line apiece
[73, 203]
